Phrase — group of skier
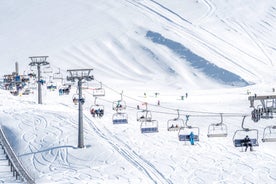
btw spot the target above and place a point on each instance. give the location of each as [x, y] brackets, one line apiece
[97, 112]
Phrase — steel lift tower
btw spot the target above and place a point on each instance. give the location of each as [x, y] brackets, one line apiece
[80, 75]
[39, 61]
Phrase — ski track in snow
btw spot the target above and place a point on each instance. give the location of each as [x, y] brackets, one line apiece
[47, 162]
[141, 164]
[177, 21]
[33, 122]
[253, 37]
[211, 9]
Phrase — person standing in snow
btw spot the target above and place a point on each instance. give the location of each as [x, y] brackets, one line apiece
[192, 136]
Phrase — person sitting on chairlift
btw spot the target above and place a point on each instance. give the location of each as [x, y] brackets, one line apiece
[101, 112]
[75, 100]
[192, 138]
[247, 142]
[92, 112]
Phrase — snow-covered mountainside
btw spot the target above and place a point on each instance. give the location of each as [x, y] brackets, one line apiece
[234, 40]
[193, 61]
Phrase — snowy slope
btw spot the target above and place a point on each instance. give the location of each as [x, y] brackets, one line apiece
[236, 39]
[109, 36]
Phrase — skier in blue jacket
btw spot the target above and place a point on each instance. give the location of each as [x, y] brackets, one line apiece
[192, 138]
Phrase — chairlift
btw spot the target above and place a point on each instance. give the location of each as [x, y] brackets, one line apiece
[30, 73]
[97, 110]
[239, 135]
[217, 129]
[269, 134]
[149, 126]
[64, 89]
[25, 78]
[176, 123]
[58, 75]
[119, 105]
[26, 91]
[98, 91]
[8, 79]
[76, 99]
[85, 85]
[144, 115]
[184, 132]
[48, 69]
[14, 92]
[51, 86]
[120, 118]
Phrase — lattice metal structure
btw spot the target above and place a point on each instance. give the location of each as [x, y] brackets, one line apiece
[80, 75]
[39, 61]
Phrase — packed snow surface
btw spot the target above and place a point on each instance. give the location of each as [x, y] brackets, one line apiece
[218, 52]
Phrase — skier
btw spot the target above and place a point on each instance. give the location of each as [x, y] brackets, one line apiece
[93, 112]
[247, 142]
[192, 138]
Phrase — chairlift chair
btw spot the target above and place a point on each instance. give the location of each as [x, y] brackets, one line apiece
[149, 126]
[239, 135]
[269, 134]
[51, 86]
[58, 75]
[99, 91]
[175, 124]
[217, 129]
[120, 118]
[184, 132]
[85, 85]
[64, 90]
[31, 74]
[144, 115]
[26, 91]
[48, 69]
[119, 105]
[97, 110]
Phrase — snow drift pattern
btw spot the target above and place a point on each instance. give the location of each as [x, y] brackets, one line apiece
[198, 62]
